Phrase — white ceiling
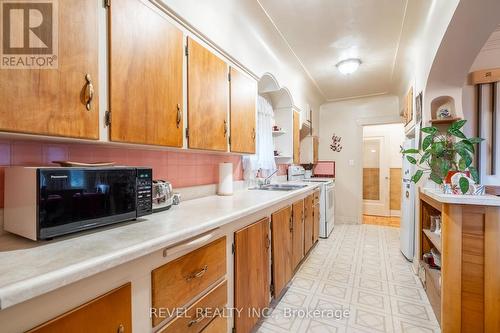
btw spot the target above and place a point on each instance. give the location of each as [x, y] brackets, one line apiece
[323, 32]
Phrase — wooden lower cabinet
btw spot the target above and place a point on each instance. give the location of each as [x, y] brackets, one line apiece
[201, 313]
[316, 218]
[217, 325]
[111, 312]
[297, 233]
[281, 249]
[174, 284]
[251, 273]
[308, 222]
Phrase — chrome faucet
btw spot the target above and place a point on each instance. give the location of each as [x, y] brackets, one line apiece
[267, 180]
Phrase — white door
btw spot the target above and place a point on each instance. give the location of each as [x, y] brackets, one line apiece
[376, 173]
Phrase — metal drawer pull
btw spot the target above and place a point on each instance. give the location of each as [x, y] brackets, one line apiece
[89, 92]
[120, 329]
[225, 127]
[198, 319]
[179, 115]
[198, 274]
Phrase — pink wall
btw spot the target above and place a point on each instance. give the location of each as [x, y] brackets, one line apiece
[181, 168]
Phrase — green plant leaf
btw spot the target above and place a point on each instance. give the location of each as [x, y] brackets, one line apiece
[416, 177]
[429, 130]
[412, 160]
[444, 167]
[458, 124]
[466, 159]
[436, 179]
[437, 149]
[475, 140]
[464, 144]
[462, 165]
[474, 174]
[411, 151]
[456, 132]
[427, 142]
[425, 157]
[464, 185]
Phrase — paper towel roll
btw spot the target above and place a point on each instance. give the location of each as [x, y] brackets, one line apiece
[225, 179]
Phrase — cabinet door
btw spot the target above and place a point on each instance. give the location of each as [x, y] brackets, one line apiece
[308, 222]
[111, 312]
[208, 94]
[316, 223]
[54, 101]
[251, 273]
[297, 233]
[281, 248]
[146, 54]
[243, 112]
[315, 149]
[296, 138]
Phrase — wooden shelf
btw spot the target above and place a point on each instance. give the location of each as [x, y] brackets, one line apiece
[434, 275]
[435, 239]
[443, 121]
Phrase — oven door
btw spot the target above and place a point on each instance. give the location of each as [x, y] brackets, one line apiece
[72, 199]
[330, 207]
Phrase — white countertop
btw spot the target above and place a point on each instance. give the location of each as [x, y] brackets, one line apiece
[480, 200]
[29, 269]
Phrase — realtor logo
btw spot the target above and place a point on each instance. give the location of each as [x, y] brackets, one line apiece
[29, 31]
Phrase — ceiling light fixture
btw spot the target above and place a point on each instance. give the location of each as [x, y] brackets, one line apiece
[348, 66]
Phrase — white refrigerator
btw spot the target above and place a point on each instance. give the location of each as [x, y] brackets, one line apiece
[407, 225]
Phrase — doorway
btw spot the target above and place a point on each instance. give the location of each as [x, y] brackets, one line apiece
[382, 164]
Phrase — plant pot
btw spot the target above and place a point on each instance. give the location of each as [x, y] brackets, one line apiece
[450, 174]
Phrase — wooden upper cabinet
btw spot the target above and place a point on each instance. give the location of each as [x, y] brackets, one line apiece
[243, 112]
[146, 55]
[251, 273]
[208, 95]
[315, 149]
[53, 101]
[297, 233]
[296, 138]
[111, 312]
[281, 248]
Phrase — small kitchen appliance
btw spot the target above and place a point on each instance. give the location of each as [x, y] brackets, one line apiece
[162, 195]
[42, 203]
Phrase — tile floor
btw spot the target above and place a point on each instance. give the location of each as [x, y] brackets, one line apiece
[359, 270]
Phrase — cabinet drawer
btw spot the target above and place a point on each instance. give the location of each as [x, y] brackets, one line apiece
[218, 325]
[174, 284]
[195, 319]
[111, 312]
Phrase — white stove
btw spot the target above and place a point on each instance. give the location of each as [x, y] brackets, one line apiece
[327, 198]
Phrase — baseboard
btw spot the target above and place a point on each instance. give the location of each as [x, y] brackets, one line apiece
[396, 213]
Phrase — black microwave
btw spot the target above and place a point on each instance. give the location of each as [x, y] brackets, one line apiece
[42, 203]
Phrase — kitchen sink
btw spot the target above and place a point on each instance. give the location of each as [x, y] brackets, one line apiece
[279, 187]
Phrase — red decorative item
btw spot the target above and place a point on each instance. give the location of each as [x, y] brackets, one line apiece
[450, 174]
[336, 146]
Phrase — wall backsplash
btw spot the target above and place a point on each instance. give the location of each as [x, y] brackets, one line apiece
[181, 168]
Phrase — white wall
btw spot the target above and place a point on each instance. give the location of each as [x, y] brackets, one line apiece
[242, 29]
[346, 119]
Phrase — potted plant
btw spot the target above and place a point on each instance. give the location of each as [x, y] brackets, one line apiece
[444, 154]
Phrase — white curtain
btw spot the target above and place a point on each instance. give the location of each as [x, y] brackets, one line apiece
[264, 157]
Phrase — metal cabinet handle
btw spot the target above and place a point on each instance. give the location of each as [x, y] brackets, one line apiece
[290, 224]
[179, 115]
[225, 127]
[253, 134]
[198, 274]
[198, 319]
[121, 329]
[89, 92]
[268, 242]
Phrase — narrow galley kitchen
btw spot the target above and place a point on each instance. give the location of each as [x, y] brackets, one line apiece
[249, 166]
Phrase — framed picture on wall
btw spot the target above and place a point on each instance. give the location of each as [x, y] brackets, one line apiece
[418, 108]
[409, 106]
